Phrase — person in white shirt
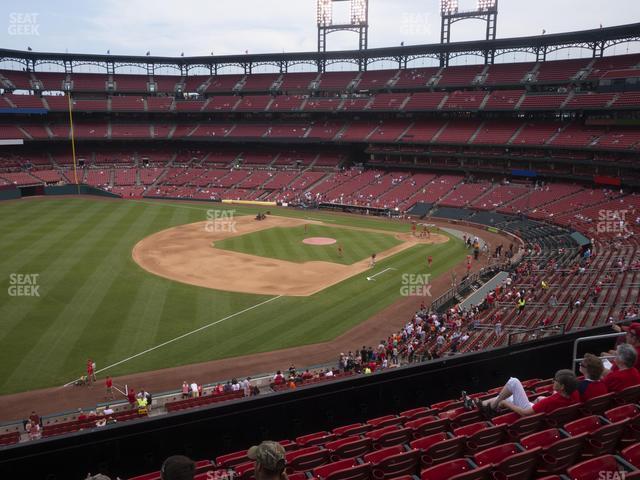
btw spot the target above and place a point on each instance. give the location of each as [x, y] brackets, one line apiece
[194, 389]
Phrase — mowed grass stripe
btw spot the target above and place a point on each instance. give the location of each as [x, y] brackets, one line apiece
[35, 235]
[53, 254]
[146, 304]
[83, 285]
[287, 244]
[113, 301]
[153, 310]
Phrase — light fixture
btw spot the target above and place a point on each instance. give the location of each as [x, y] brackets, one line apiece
[358, 12]
[324, 12]
[486, 4]
[448, 6]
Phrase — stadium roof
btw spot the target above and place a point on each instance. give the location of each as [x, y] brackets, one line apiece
[596, 40]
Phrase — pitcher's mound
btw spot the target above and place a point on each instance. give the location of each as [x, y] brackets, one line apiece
[319, 241]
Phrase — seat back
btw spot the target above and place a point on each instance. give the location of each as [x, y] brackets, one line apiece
[446, 470]
[353, 429]
[496, 454]
[442, 451]
[405, 463]
[545, 438]
[349, 449]
[584, 425]
[632, 454]
[604, 439]
[559, 456]
[385, 421]
[628, 395]
[299, 461]
[521, 466]
[425, 428]
[486, 438]
[620, 413]
[592, 469]
[318, 438]
[395, 437]
[597, 405]
[563, 415]
[362, 471]
[231, 459]
[466, 418]
[525, 426]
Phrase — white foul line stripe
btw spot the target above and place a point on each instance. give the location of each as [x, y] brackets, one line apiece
[379, 273]
[183, 336]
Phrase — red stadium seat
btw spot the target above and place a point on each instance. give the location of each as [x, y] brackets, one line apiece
[423, 427]
[598, 468]
[460, 468]
[597, 405]
[353, 429]
[306, 459]
[558, 452]
[480, 436]
[438, 448]
[601, 437]
[317, 438]
[349, 447]
[509, 462]
[393, 462]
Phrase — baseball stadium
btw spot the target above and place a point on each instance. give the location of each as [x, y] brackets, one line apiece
[391, 260]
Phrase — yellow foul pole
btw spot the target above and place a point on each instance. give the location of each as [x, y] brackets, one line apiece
[73, 144]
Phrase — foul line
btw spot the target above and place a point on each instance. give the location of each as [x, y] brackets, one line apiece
[183, 336]
[379, 273]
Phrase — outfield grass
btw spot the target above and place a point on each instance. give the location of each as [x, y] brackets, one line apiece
[287, 244]
[95, 301]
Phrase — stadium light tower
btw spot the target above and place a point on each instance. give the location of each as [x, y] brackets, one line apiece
[358, 22]
[486, 10]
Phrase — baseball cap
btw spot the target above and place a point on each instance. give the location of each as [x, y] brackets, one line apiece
[633, 328]
[271, 455]
[178, 467]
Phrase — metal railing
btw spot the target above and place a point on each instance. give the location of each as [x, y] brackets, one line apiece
[558, 329]
[588, 339]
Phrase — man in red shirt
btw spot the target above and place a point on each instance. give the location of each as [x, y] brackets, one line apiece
[626, 375]
[632, 338]
[109, 384]
[514, 397]
[592, 385]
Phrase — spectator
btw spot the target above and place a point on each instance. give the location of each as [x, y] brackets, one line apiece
[592, 385]
[626, 375]
[246, 386]
[514, 397]
[194, 390]
[178, 467]
[34, 417]
[270, 458]
[149, 399]
[131, 397]
[109, 384]
[185, 389]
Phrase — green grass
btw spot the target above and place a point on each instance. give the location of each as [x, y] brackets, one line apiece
[95, 301]
[286, 244]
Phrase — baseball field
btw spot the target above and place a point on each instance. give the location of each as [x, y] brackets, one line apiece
[144, 285]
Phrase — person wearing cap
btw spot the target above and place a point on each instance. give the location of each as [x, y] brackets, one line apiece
[270, 458]
[178, 467]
